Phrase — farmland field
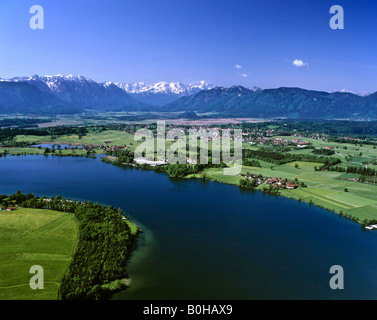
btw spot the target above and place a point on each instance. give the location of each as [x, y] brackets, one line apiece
[325, 188]
[34, 237]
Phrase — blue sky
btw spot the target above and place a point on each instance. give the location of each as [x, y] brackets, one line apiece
[180, 40]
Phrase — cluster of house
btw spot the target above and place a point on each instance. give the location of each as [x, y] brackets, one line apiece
[112, 148]
[277, 141]
[213, 134]
[275, 181]
[264, 136]
[316, 136]
[253, 136]
[353, 139]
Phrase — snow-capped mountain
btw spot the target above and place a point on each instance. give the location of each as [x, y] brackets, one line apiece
[81, 92]
[57, 83]
[163, 92]
[255, 89]
[361, 94]
[178, 88]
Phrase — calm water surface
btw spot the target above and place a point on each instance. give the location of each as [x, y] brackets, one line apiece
[211, 240]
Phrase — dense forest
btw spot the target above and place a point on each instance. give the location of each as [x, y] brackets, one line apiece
[105, 243]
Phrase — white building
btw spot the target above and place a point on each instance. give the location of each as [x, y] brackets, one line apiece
[151, 163]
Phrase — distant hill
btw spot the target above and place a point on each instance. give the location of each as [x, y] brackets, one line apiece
[74, 94]
[25, 98]
[238, 101]
[64, 94]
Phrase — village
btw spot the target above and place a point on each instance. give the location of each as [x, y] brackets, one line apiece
[275, 182]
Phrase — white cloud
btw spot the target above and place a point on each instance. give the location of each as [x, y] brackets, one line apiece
[237, 66]
[243, 75]
[299, 63]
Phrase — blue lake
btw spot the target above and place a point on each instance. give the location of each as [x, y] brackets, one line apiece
[206, 240]
[56, 146]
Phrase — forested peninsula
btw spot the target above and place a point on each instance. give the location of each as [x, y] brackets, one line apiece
[105, 241]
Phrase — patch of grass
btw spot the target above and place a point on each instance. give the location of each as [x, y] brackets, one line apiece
[34, 237]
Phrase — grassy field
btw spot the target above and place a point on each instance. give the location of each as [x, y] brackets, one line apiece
[108, 137]
[34, 237]
[114, 137]
[324, 187]
[368, 152]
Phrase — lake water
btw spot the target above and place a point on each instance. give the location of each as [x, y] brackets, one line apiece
[56, 146]
[206, 240]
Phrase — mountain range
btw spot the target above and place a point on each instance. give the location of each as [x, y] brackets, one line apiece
[71, 93]
[75, 94]
[163, 92]
[238, 101]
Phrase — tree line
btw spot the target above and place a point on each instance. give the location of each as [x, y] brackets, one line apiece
[324, 152]
[363, 171]
[282, 158]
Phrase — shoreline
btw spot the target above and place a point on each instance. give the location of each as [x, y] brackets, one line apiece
[125, 282]
[311, 202]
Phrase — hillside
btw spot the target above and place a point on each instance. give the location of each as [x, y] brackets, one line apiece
[59, 94]
[25, 98]
[238, 101]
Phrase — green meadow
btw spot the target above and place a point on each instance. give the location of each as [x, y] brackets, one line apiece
[325, 188]
[31, 237]
[342, 150]
[114, 137]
